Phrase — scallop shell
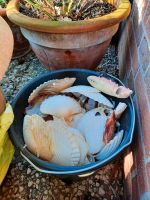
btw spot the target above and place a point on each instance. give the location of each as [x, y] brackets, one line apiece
[83, 146]
[90, 92]
[92, 126]
[109, 87]
[61, 106]
[37, 137]
[110, 147]
[75, 119]
[65, 147]
[33, 110]
[49, 88]
[53, 141]
[120, 109]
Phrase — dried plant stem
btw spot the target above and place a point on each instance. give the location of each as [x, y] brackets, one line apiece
[40, 7]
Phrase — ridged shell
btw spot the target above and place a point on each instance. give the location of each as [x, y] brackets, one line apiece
[53, 141]
[90, 92]
[60, 106]
[110, 148]
[37, 137]
[109, 87]
[83, 146]
[66, 150]
[92, 126]
[75, 119]
[120, 109]
[49, 88]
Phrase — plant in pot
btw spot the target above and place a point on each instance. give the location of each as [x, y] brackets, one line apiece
[68, 33]
[21, 45]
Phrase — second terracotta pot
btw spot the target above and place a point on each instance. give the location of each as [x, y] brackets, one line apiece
[21, 45]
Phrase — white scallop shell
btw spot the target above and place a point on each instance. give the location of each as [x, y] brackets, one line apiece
[37, 137]
[90, 92]
[120, 109]
[83, 146]
[92, 126]
[60, 106]
[66, 150]
[110, 147]
[51, 87]
[53, 140]
[75, 119]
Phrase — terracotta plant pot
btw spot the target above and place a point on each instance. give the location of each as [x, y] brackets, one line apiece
[21, 45]
[72, 44]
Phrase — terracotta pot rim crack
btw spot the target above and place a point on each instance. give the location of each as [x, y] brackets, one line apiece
[42, 25]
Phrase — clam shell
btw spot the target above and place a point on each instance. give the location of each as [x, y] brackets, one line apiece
[92, 126]
[110, 147]
[60, 106]
[49, 88]
[120, 109]
[90, 92]
[109, 87]
[37, 137]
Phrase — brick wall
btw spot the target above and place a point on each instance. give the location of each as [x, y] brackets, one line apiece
[134, 70]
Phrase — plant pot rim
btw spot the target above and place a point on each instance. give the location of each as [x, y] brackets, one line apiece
[41, 25]
[2, 12]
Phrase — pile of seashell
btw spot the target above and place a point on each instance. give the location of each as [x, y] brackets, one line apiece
[74, 125]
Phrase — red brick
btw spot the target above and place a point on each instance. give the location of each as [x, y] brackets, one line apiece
[141, 5]
[129, 22]
[123, 54]
[138, 29]
[147, 25]
[147, 82]
[133, 51]
[144, 53]
[128, 162]
[143, 111]
[147, 12]
[148, 171]
[141, 172]
[131, 81]
[135, 192]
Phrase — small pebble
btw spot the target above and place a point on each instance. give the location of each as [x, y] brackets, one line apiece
[30, 183]
[28, 171]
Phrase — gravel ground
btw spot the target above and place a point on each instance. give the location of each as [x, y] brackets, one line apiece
[25, 183]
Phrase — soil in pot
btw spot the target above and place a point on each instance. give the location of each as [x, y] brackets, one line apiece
[59, 10]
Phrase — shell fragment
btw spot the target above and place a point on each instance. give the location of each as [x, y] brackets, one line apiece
[90, 92]
[109, 87]
[110, 147]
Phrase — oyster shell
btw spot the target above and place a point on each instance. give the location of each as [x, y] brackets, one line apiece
[92, 126]
[49, 88]
[110, 147]
[109, 87]
[60, 106]
[90, 92]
